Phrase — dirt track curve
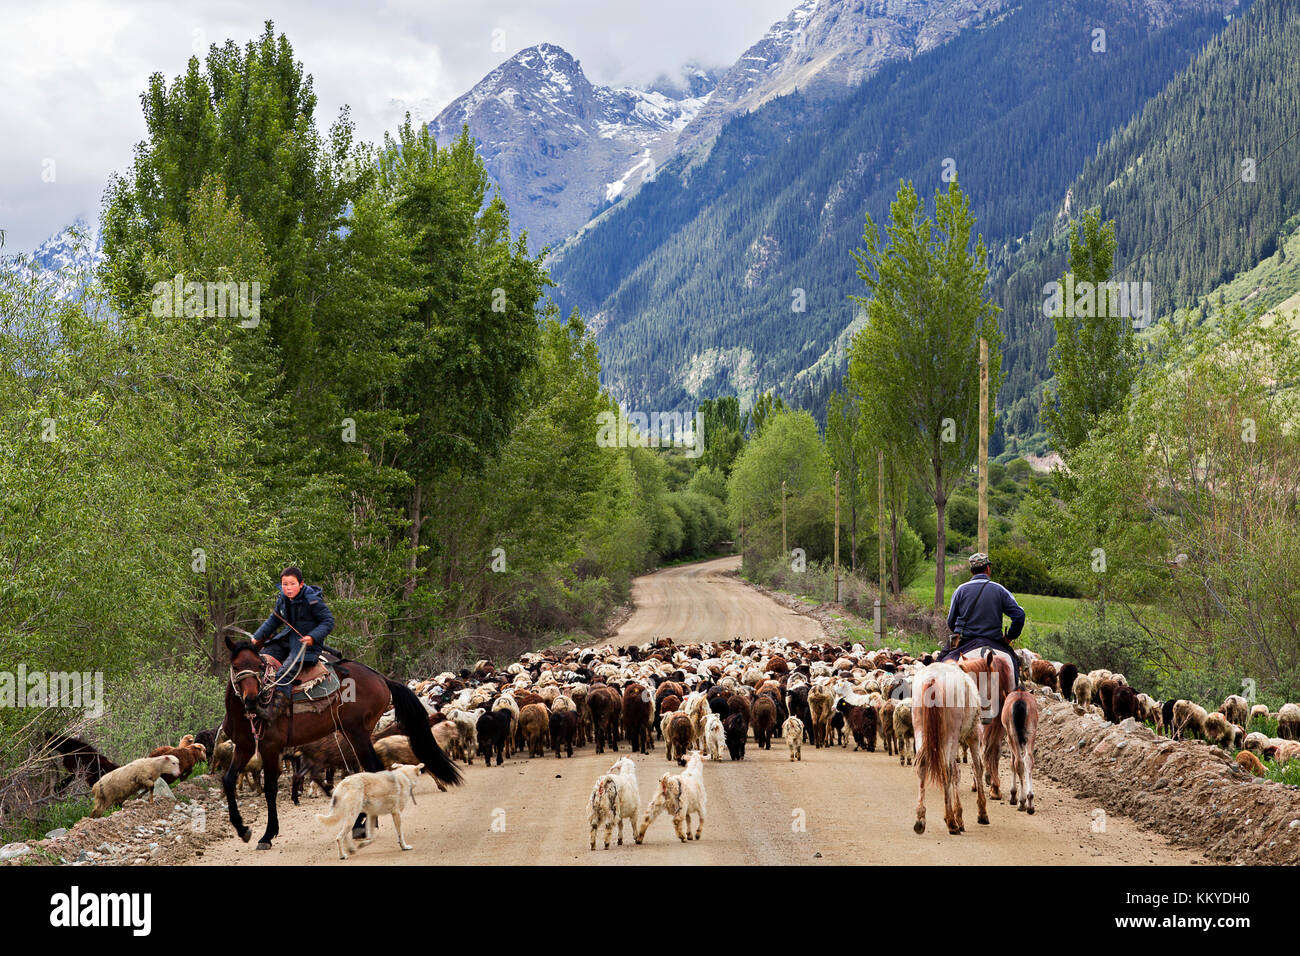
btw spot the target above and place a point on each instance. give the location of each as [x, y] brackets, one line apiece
[836, 806]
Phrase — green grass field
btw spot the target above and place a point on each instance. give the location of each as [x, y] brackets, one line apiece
[1040, 610]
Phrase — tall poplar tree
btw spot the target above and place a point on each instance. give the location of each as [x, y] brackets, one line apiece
[916, 361]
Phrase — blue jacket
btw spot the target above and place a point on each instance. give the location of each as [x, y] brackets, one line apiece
[977, 609]
[306, 612]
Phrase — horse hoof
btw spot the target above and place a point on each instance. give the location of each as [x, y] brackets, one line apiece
[264, 845]
[919, 826]
[1030, 811]
[245, 834]
[954, 832]
[984, 820]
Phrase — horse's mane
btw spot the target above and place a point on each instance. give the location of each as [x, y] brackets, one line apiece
[238, 647]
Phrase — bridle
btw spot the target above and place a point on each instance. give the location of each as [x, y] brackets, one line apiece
[291, 668]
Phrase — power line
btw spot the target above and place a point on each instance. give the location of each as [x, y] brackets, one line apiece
[1236, 181]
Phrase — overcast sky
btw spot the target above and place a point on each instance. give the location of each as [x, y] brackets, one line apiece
[71, 71]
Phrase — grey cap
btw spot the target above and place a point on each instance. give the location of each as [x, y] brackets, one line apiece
[978, 559]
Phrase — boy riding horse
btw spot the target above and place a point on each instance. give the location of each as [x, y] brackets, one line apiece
[301, 608]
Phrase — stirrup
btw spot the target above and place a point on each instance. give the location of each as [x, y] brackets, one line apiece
[274, 707]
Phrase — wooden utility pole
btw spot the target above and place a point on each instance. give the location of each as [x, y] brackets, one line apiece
[742, 530]
[880, 541]
[836, 596]
[785, 548]
[984, 448]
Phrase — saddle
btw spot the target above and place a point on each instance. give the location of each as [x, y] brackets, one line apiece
[315, 688]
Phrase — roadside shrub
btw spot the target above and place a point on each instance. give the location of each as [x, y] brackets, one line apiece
[911, 555]
[157, 706]
[963, 515]
[1091, 642]
[1020, 570]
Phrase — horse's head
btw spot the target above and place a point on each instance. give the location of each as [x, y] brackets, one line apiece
[245, 671]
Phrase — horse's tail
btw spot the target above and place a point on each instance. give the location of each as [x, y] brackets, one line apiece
[1020, 719]
[414, 721]
[932, 704]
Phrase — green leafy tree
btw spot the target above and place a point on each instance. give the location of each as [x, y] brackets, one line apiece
[766, 406]
[473, 333]
[843, 423]
[724, 432]
[1184, 509]
[916, 361]
[787, 449]
[234, 182]
[121, 446]
[1094, 360]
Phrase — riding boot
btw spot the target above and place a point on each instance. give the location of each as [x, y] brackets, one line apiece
[278, 703]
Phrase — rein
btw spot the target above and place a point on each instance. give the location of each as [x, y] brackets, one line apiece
[266, 688]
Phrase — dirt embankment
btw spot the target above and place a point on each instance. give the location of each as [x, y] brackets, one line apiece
[143, 831]
[1189, 791]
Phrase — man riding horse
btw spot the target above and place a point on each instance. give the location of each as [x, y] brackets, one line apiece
[975, 616]
[301, 609]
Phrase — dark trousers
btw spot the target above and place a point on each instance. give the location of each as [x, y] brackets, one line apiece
[284, 649]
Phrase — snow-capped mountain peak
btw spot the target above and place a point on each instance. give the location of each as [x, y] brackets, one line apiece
[558, 146]
[80, 245]
[66, 262]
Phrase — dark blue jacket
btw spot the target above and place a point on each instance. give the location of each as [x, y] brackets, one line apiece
[977, 609]
[306, 612]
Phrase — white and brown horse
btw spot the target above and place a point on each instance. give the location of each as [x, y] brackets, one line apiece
[995, 679]
[945, 714]
[1020, 723]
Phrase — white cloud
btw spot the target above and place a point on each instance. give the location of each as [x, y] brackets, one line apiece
[72, 71]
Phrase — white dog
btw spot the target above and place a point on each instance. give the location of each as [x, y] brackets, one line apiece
[371, 793]
[615, 798]
[681, 795]
[715, 740]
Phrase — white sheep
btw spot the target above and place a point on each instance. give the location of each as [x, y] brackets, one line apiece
[137, 776]
[466, 722]
[1189, 716]
[1237, 709]
[1288, 722]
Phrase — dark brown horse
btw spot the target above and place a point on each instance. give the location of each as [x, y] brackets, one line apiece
[365, 696]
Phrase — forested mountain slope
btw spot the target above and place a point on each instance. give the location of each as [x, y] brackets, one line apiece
[694, 285]
[1200, 185]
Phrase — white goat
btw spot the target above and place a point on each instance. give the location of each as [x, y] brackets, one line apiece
[615, 798]
[681, 794]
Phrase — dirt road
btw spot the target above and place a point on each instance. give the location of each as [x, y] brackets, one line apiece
[698, 602]
[835, 806]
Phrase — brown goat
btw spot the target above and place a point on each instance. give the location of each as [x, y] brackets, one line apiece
[638, 706]
[535, 728]
[679, 737]
[886, 726]
[187, 753]
[605, 706]
[764, 722]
